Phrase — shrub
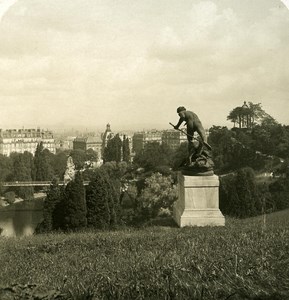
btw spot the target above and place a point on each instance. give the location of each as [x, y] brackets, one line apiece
[10, 197]
[158, 193]
[239, 196]
[74, 208]
[102, 199]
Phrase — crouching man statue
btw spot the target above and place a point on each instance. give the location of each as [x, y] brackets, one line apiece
[199, 161]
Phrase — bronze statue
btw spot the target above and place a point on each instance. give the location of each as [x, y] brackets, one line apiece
[199, 160]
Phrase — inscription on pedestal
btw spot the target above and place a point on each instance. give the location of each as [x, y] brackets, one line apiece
[198, 201]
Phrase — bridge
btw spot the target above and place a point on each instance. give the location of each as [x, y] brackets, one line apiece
[34, 183]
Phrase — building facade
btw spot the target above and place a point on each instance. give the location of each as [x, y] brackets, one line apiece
[173, 138]
[170, 137]
[139, 139]
[90, 142]
[21, 140]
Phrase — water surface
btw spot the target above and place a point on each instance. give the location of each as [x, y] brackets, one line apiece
[20, 219]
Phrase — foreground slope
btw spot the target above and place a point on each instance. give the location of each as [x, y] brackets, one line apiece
[247, 259]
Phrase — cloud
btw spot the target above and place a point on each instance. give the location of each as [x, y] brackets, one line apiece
[4, 7]
[286, 2]
[97, 61]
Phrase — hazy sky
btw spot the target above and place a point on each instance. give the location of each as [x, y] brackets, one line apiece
[84, 63]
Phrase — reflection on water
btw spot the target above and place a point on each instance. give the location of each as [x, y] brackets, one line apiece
[19, 222]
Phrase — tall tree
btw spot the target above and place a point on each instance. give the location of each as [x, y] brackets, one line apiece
[6, 167]
[54, 196]
[125, 150]
[42, 164]
[79, 158]
[22, 171]
[97, 200]
[248, 115]
[239, 195]
[59, 164]
[113, 150]
[74, 205]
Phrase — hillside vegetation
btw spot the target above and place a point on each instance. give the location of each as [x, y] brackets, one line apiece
[246, 259]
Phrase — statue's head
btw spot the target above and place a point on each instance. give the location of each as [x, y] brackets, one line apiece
[180, 109]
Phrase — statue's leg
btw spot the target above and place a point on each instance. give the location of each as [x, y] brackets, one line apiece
[191, 151]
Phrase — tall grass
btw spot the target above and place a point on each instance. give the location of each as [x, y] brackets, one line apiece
[243, 260]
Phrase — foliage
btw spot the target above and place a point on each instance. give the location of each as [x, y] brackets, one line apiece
[10, 197]
[91, 155]
[234, 149]
[114, 169]
[42, 164]
[128, 198]
[5, 168]
[239, 195]
[59, 164]
[102, 201]
[22, 171]
[53, 197]
[113, 150]
[74, 205]
[249, 115]
[159, 193]
[79, 158]
[154, 155]
[221, 140]
[180, 156]
[247, 259]
[279, 191]
[97, 201]
[125, 150]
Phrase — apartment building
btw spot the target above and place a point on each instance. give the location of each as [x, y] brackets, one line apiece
[21, 140]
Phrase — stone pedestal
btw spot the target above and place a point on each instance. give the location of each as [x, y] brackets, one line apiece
[198, 201]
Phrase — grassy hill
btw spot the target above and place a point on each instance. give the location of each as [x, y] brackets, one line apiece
[246, 259]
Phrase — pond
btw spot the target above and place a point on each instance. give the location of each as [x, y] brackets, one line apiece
[20, 219]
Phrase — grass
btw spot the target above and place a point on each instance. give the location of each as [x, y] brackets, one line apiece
[246, 259]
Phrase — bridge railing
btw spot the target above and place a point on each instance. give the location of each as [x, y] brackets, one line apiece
[34, 183]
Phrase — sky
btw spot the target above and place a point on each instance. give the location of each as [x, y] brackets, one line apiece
[131, 63]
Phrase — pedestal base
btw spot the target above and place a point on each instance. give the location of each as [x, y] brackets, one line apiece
[198, 201]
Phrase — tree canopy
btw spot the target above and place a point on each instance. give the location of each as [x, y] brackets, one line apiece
[248, 115]
[154, 155]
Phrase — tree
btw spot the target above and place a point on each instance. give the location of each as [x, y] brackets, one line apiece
[6, 167]
[74, 205]
[113, 150]
[125, 150]
[180, 155]
[239, 115]
[22, 171]
[42, 164]
[154, 155]
[239, 196]
[234, 149]
[247, 116]
[59, 164]
[279, 191]
[159, 192]
[91, 155]
[222, 141]
[79, 158]
[53, 198]
[247, 192]
[104, 193]
[100, 201]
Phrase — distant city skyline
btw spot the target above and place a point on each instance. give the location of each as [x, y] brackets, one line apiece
[82, 64]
